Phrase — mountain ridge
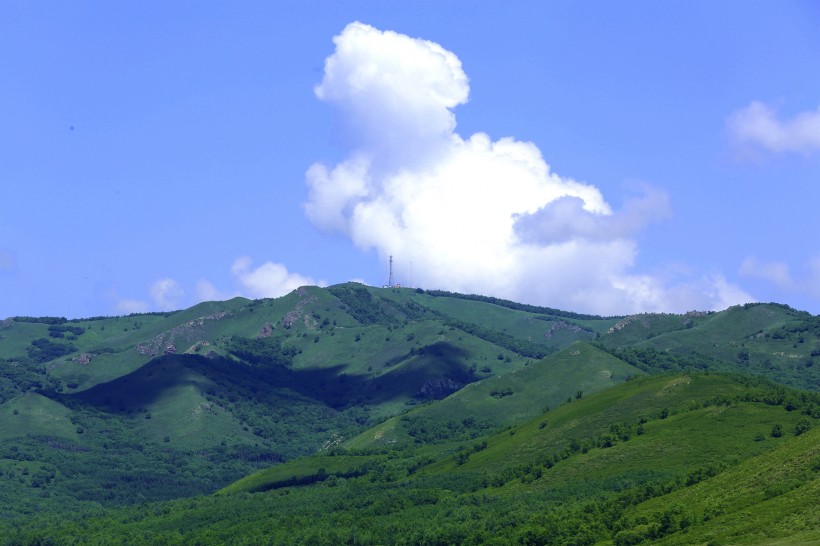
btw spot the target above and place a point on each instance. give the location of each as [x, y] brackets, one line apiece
[113, 411]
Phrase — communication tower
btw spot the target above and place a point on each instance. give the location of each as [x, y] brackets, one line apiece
[390, 278]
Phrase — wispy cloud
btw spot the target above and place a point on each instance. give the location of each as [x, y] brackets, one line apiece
[805, 280]
[126, 306]
[166, 294]
[777, 273]
[474, 214]
[757, 127]
[206, 291]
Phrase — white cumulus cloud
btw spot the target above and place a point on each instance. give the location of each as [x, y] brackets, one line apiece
[758, 126]
[472, 214]
[394, 93]
[269, 280]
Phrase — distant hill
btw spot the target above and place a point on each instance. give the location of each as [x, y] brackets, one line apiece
[357, 381]
[768, 340]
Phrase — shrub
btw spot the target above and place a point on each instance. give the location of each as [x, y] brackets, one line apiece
[802, 426]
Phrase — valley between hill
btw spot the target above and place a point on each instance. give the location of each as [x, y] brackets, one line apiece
[381, 415]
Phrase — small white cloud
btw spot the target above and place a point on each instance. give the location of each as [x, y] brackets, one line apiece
[775, 272]
[269, 280]
[167, 294]
[758, 127]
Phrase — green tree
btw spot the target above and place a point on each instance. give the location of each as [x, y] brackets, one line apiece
[802, 426]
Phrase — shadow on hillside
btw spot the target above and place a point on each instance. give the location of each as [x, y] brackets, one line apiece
[430, 372]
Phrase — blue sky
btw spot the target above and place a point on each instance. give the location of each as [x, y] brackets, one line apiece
[602, 157]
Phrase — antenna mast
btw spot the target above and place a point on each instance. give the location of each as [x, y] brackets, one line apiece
[390, 279]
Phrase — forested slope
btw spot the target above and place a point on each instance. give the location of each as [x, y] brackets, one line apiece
[376, 396]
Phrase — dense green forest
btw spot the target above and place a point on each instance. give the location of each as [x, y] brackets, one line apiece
[671, 459]
[362, 415]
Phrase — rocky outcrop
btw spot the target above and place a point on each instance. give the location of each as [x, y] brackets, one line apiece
[83, 358]
[561, 325]
[439, 387]
[299, 310]
[190, 332]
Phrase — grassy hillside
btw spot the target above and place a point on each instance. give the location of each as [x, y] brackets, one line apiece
[671, 458]
[770, 499]
[504, 400]
[34, 414]
[761, 339]
[450, 395]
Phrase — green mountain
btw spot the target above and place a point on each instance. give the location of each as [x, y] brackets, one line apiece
[769, 340]
[353, 411]
[504, 400]
[676, 459]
